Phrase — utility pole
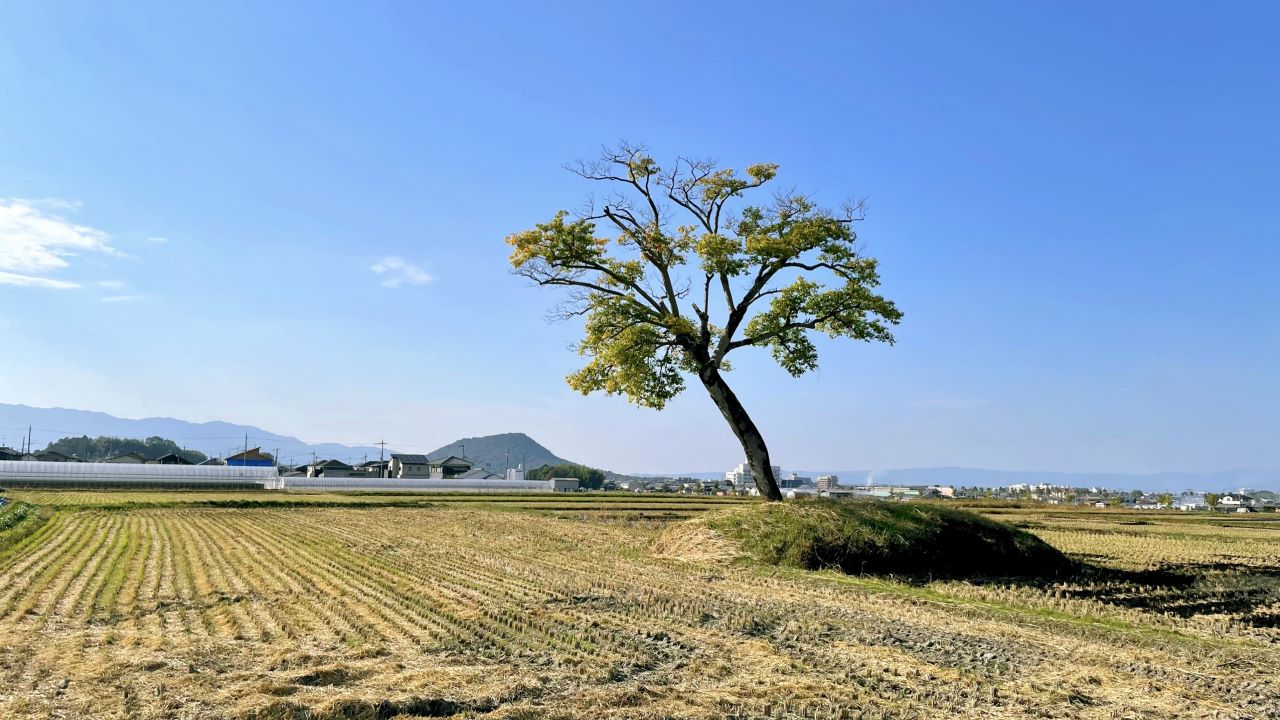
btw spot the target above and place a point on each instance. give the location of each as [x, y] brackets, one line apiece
[28, 438]
[382, 465]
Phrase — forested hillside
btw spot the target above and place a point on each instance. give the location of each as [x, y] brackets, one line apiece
[100, 448]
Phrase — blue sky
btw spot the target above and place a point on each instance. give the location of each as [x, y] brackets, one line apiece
[1074, 204]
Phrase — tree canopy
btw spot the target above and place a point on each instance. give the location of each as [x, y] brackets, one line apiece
[590, 478]
[101, 448]
[681, 277]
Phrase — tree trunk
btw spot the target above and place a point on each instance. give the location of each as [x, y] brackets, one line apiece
[747, 432]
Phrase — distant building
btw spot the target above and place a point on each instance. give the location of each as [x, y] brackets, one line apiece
[476, 473]
[8, 453]
[450, 467]
[332, 469]
[828, 482]
[740, 477]
[408, 466]
[251, 458]
[373, 468]
[516, 473]
[445, 468]
[129, 458]
[49, 456]
[800, 492]
[793, 480]
[212, 461]
[1191, 501]
[172, 459]
[1148, 502]
[1235, 501]
[563, 484]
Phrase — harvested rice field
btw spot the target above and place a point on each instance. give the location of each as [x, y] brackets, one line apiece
[170, 605]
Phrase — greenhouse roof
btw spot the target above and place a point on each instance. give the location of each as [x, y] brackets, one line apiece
[16, 471]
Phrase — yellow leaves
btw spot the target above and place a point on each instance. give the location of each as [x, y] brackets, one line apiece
[557, 242]
[680, 326]
[630, 286]
[720, 254]
[794, 235]
[642, 166]
[762, 172]
[635, 361]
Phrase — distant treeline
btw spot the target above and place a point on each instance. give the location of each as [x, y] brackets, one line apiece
[98, 449]
[589, 478]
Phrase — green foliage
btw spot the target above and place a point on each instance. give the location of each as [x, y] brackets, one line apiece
[627, 357]
[18, 521]
[913, 539]
[100, 448]
[589, 478]
[647, 292]
[672, 276]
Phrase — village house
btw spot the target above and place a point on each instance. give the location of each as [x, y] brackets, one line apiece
[251, 458]
[451, 467]
[1149, 502]
[129, 458]
[1191, 501]
[408, 466]
[1235, 502]
[49, 456]
[332, 469]
[563, 484]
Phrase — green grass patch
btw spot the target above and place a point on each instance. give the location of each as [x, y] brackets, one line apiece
[876, 537]
[18, 521]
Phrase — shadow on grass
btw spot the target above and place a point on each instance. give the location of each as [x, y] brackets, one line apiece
[918, 543]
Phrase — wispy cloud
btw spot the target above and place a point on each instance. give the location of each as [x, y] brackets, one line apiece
[36, 241]
[111, 284]
[120, 298]
[8, 278]
[398, 272]
[158, 240]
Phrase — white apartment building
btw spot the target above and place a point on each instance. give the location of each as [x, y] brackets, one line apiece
[741, 477]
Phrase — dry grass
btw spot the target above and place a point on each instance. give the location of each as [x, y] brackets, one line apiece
[690, 543]
[199, 612]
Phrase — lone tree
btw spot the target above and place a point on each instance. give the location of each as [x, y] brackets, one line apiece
[663, 300]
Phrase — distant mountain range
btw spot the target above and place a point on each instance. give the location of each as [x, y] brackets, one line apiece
[215, 439]
[497, 452]
[218, 439]
[974, 477]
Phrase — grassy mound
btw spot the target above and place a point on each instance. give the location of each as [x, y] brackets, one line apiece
[913, 539]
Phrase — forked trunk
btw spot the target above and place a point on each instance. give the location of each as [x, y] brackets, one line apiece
[747, 432]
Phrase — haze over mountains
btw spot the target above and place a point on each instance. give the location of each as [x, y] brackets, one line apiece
[219, 439]
[1221, 481]
[497, 452]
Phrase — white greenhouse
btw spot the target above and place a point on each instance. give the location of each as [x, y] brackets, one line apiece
[32, 474]
[416, 484]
